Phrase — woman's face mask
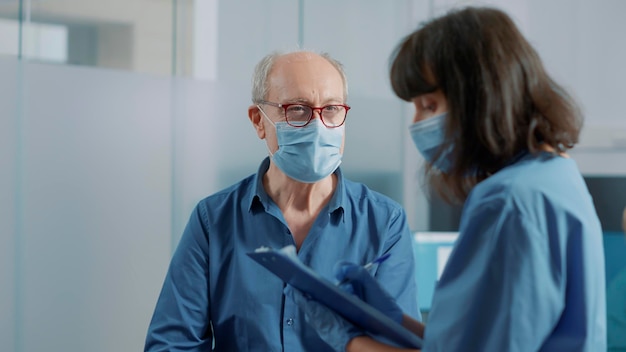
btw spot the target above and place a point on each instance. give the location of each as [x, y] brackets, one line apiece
[307, 154]
[429, 136]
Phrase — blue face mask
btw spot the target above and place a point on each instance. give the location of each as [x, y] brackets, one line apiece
[307, 154]
[428, 136]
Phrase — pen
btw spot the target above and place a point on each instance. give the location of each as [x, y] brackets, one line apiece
[367, 266]
[378, 260]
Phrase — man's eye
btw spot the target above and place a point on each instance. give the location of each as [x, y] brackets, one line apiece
[296, 108]
[331, 108]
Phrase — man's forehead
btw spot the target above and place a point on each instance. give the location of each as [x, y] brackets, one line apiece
[301, 74]
[297, 57]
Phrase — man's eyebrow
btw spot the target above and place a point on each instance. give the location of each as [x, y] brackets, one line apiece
[330, 101]
[304, 101]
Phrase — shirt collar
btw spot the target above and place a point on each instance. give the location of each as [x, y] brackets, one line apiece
[259, 197]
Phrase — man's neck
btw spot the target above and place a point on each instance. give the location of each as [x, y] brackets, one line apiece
[293, 196]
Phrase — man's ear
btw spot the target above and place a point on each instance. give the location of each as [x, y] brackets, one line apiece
[254, 114]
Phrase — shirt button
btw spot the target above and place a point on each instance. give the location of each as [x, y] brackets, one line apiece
[289, 322]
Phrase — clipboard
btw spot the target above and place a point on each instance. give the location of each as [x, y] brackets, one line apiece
[285, 264]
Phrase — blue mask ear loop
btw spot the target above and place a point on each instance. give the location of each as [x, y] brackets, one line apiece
[273, 124]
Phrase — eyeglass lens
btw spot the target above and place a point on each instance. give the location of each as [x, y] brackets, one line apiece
[299, 115]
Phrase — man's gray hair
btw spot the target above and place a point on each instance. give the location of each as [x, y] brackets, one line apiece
[262, 70]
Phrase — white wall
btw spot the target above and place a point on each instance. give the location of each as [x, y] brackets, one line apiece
[9, 200]
[581, 43]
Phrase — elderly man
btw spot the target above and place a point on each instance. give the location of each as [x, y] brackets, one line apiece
[214, 294]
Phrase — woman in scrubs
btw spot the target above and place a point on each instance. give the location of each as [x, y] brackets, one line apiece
[527, 270]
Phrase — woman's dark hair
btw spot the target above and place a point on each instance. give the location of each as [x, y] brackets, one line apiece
[500, 99]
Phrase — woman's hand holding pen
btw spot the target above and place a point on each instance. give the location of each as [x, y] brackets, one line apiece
[356, 279]
[339, 272]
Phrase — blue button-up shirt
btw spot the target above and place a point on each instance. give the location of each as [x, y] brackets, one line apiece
[215, 294]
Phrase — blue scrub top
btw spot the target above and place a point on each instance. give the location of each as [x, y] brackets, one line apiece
[527, 270]
[214, 290]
